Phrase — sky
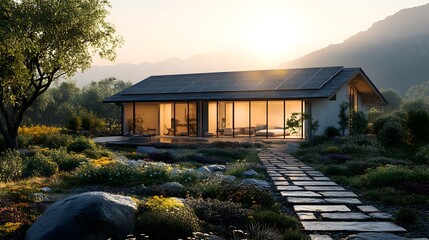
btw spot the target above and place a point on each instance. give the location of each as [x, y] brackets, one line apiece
[275, 30]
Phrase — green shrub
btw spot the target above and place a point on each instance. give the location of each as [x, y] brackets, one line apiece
[332, 132]
[258, 231]
[332, 149]
[227, 154]
[66, 161]
[406, 216]
[360, 144]
[275, 219]
[186, 177]
[39, 165]
[90, 122]
[116, 174]
[294, 234]
[74, 123]
[395, 176]
[209, 187]
[237, 168]
[248, 195]
[216, 212]
[362, 166]
[418, 124]
[176, 219]
[155, 175]
[336, 170]
[55, 140]
[392, 133]
[422, 155]
[97, 152]
[359, 123]
[80, 144]
[11, 166]
[161, 156]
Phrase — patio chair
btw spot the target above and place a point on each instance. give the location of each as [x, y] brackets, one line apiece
[170, 131]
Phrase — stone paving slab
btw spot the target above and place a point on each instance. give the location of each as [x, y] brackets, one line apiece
[302, 200]
[314, 183]
[381, 215]
[343, 200]
[345, 216]
[368, 208]
[321, 178]
[281, 183]
[306, 216]
[296, 175]
[299, 194]
[351, 226]
[324, 188]
[293, 178]
[319, 237]
[338, 194]
[321, 208]
[289, 188]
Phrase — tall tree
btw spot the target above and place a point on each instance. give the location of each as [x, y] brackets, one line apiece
[92, 97]
[41, 41]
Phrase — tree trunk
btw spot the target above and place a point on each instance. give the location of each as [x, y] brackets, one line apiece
[11, 138]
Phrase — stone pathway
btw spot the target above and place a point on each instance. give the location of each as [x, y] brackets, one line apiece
[325, 209]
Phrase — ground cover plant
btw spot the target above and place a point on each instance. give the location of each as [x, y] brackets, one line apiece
[212, 201]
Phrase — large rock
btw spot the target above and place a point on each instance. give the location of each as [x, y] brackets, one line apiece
[172, 186]
[259, 183]
[216, 168]
[146, 150]
[249, 173]
[86, 216]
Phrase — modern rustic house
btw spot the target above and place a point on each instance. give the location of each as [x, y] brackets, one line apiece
[264, 104]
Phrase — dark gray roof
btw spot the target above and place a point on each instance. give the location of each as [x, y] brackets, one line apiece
[264, 84]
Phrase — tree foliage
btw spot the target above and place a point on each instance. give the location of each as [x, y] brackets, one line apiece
[393, 99]
[41, 41]
[343, 117]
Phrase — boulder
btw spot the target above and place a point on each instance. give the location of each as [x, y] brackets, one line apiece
[228, 178]
[375, 236]
[216, 167]
[258, 183]
[203, 169]
[172, 186]
[249, 173]
[146, 150]
[90, 215]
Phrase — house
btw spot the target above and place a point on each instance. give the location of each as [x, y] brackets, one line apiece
[250, 104]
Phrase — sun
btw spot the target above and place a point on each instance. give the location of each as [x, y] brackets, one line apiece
[270, 36]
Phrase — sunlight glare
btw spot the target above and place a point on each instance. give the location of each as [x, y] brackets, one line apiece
[271, 36]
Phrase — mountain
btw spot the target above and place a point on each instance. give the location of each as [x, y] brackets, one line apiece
[211, 62]
[394, 52]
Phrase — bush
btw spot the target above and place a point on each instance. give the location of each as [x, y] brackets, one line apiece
[392, 133]
[216, 212]
[97, 152]
[155, 175]
[398, 117]
[406, 216]
[176, 219]
[275, 219]
[360, 144]
[80, 144]
[362, 166]
[11, 166]
[248, 195]
[395, 176]
[422, 155]
[74, 123]
[161, 156]
[209, 187]
[66, 161]
[237, 168]
[359, 123]
[39, 165]
[332, 132]
[418, 124]
[336, 170]
[116, 174]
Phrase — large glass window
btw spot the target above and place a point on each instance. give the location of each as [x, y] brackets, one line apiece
[353, 99]
[259, 118]
[241, 118]
[225, 118]
[293, 115]
[192, 119]
[181, 116]
[166, 115]
[275, 119]
[212, 118]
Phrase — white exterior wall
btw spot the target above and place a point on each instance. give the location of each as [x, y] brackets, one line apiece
[326, 111]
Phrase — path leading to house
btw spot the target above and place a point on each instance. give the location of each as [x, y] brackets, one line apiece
[325, 209]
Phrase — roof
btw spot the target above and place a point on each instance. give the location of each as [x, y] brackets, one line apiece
[299, 83]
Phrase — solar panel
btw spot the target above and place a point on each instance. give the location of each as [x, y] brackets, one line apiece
[284, 79]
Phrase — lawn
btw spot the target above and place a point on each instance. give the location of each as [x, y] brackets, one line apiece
[206, 176]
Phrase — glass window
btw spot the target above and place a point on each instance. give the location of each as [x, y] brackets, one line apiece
[258, 118]
[293, 115]
[241, 118]
[275, 119]
[353, 99]
[166, 115]
[181, 116]
[192, 119]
